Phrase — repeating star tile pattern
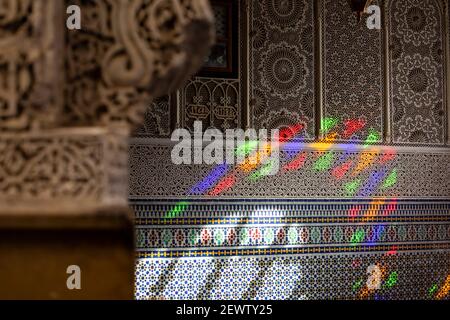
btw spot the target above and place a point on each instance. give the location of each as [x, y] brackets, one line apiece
[281, 64]
[353, 85]
[245, 249]
[417, 71]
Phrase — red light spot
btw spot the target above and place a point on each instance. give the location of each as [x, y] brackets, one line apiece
[356, 263]
[391, 207]
[354, 211]
[352, 126]
[392, 252]
[297, 163]
[205, 236]
[388, 156]
[339, 172]
[224, 185]
[290, 132]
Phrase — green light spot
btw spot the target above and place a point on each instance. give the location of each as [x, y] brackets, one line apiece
[373, 137]
[351, 187]
[179, 208]
[357, 285]
[246, 148]
[390, 180]
[327, 124]
[358, 237]
[324, 162]
[432, 290]
[392, 280]
[263, 171]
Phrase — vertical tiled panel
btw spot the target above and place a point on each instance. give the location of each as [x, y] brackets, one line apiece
[417, 71]
[353, 64]
[281, 64]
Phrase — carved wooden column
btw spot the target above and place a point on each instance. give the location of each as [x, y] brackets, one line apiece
[68, 100]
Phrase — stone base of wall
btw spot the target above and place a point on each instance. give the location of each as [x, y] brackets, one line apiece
[37, 248]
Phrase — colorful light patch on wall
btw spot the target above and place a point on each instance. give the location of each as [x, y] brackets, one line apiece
[387, 156]
[216, 174]
[352, 187]
[392, 252]
[392, 280]
[326, 143]
[252, 162]
[262, 172]
[353, 126]
[290, 132]
[221, 183]
[327, 124]
[390, 180]
[373, 210]
[357, 237]
[391, 207]
[178, 209]
[372, 138]
[353, 212]
[224, 185]
[357, 284]
[370, 215]
[297, 163]
[324, 162]
[340, 171]
[292, 149]
[366, 159]
[372, 183]
[445, 289]
[246, 148]
[432, 290]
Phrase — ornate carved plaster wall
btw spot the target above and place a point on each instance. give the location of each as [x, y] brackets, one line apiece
[353, 68]
[100, 79]
[418, 71]
[31, 65]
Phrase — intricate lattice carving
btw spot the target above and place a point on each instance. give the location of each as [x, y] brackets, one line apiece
[30, 64]
[353, 68]
[417, 71]
[126, 53]
[281, 64]
[157, 118]
[215, 102]
[129, 52]
[153, 175]
[64, 165]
